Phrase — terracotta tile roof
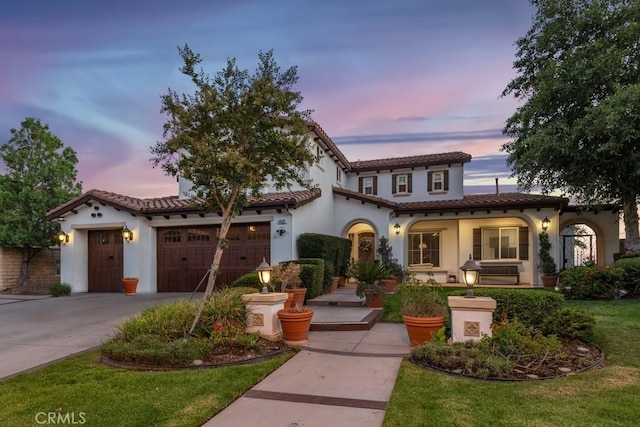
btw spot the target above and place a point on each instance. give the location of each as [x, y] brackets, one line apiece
[365, 198]
[424, 160]
[172, 205]
[331, 147]
[476, 202]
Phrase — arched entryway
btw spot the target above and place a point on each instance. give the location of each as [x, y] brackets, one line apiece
[578, 244]
[364, 239]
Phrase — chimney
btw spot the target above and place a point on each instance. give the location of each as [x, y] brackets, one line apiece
[497, 188]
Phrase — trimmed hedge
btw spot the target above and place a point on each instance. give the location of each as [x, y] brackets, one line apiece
[312, 275]
[631, 276]
[335, 251]
[249, 280]
[530, 306]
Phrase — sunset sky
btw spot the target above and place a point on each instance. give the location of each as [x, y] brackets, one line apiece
[384, 78]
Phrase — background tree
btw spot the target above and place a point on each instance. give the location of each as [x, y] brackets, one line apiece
[39, 175]
[578, 129]
[236, 131]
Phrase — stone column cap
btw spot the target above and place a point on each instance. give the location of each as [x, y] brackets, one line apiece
[477, 303]
[267, 299]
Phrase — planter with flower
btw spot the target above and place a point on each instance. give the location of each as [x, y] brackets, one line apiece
[369, 274]
[295, 319]
[423, 309]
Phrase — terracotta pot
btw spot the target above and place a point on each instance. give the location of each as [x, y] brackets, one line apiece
[298, 296]
[129, 285]
[289, 302]
[420, 328]
[549, 281]
[295, 325]
[375, 301]
[390, 283]
[334, 283]
[343, 281]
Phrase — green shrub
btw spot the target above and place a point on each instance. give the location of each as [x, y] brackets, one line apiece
[312, 275]
[224, 316]
[153, 351]
[60, 290]
[570, 323]
[631, 275]
[530, 306]
[334, 250]
[591, 281]
[520, 343]
[250, 280]
[166, 321]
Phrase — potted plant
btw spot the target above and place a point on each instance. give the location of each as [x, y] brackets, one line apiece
[423, 309]
[295, 323]
[287, 277]
[368, 274]
[396, 272]
[547, 265]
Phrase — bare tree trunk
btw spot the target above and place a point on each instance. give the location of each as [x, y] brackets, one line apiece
[215, 267]
[23, 279]
[631, 232]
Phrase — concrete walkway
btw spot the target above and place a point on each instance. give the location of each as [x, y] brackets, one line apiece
[339, 379]
[38, 330]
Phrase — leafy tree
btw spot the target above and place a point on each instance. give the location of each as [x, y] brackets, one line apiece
[235, 132]
[39, 175]
[578, 129]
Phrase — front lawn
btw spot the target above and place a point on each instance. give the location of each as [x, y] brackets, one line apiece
[605, 397]
[87, 392]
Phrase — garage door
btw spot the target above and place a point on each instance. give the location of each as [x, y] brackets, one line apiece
[185, 254]
[105, 260]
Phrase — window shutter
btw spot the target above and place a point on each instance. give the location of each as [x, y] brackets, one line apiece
[409, 183]
[393, 183]
[523, 243]
[429, 181]
[375, 185]
[360, 186]
[445, 177]
[477, 244]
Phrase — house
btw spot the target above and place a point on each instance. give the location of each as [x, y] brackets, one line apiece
[418, 202]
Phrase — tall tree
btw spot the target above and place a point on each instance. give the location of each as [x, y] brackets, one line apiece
[578, 129]
[235, 132]
[39, 175]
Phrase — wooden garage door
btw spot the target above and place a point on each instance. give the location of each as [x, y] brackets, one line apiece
[185, 254]
[105, 261]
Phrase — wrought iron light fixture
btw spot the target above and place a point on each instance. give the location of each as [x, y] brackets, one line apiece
[62, 237]
[470, 271]
[397, 228]
[264, 274]
[545, 223]
[127, 235]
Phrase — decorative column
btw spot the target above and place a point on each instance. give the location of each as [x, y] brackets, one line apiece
[470, 317]
[263, 315]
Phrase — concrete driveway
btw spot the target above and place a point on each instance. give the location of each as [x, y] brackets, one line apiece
[35, 331]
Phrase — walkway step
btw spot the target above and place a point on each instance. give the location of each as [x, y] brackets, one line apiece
[327, 318]
[343, 297]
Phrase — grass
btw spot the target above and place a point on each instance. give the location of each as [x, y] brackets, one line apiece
[114, 397]
[602, 397]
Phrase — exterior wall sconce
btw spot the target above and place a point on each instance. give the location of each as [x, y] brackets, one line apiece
[397, 228]
[545, 223]
[127, 235]
[62, 237]
[470, 271]
[264, 274]
[281, 231]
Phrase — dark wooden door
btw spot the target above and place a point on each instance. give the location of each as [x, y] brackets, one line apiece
[366, 246]
[186, 253]
[105, 261]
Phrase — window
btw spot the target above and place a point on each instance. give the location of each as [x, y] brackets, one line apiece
[401, 183]
[424, 248]
[501, 243]
[368, 185]
[195, 235]
[438, 181]
[172, 236]
[338, 174]
[320, 156]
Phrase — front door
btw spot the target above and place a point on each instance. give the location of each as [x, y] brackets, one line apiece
[366, 246]
[105, 261]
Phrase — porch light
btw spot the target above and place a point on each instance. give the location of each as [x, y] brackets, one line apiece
[63, 238]
[470, 271]
[127, 235]
[264, 273]
[545, 223]
[397, 228]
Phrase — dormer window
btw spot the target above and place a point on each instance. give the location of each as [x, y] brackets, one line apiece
[438, 181]
[368, 185]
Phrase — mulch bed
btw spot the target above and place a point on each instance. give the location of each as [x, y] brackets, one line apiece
[577, 357]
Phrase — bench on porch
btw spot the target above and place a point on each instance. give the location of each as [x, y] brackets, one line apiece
[489, 270]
